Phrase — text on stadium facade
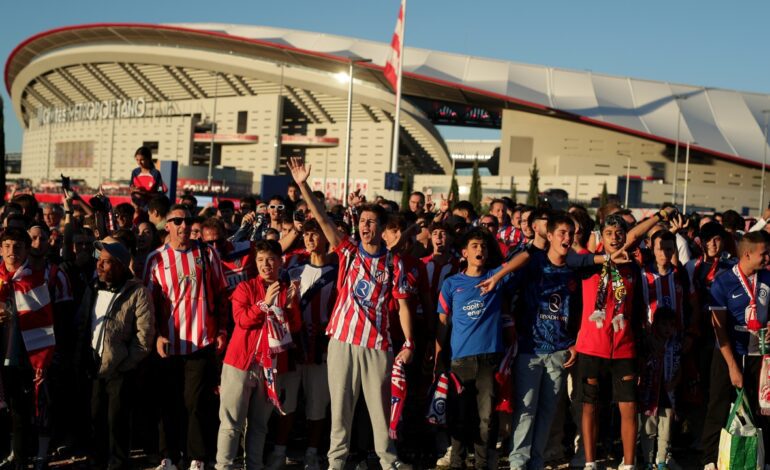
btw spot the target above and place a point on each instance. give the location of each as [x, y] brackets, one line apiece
[92, 111]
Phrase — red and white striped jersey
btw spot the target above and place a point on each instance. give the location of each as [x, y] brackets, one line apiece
[239, 263]
[29, 294]
[438, 271]
[184, 300]
[509, 235]
[365, 286]
[672, 290]
[318, 294]
[59, 283]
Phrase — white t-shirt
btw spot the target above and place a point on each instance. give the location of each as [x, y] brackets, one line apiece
[103, 300]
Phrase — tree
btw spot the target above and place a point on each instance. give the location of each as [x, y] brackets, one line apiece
[475, 196]
[533, 196]
[454, 190]
[604, 198]
[513, 192]
[406, 190]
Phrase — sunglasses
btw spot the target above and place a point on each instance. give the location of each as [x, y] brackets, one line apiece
[273, 206]
[178, 220]
[488, 224]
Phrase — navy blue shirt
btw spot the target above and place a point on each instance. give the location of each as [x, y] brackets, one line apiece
[727, 293]
[548, 313]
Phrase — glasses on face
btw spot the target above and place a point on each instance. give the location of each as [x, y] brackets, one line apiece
[178, 220]
[489, 224]
[276, 206]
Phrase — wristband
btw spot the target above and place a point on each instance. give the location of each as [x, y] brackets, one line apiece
[408, 344]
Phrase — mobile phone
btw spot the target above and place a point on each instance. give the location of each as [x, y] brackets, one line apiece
[65, 182]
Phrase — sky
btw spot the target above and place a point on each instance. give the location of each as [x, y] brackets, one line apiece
[706, 42]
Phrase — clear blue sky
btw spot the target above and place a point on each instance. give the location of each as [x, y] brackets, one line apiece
[706, 42]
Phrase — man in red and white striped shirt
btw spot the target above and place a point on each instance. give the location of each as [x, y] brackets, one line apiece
[190, 293]
[360, 349]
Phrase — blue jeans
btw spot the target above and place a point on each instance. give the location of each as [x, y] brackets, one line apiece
[539, 381]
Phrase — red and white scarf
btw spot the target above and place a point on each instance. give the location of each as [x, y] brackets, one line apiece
[749, 285]
[27, 291]
[274, 338]
[437, 411]
[398, 388]
[662, 290]
[504, 382]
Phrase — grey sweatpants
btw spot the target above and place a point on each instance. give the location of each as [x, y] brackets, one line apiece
[243, 403]
[656, 430]
[353, 369]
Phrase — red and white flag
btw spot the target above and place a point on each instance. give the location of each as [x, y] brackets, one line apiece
[393, 66]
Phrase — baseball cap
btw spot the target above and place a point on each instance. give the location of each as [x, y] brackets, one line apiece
[116, 249]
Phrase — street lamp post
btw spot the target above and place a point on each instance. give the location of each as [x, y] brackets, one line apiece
[213, 130]
[351, 64]
[766, 112]
[676, 148]
[628, 176]
[686, 175]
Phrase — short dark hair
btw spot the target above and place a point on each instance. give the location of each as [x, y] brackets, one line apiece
[18, 235]
[586, 224]
[160, 204]
[439, 226]
[614, 220]
[125, 209]
[750, 239]
[733, 221]
[396, 221]
[475, 233]
[214, 223]
[418, 193]
[226, 204]
[559, 218]
[292, 184]
[710, 230]
[379, 211]
[311, 225]
[662, 235]
[497, 201]
[270, 246]
[538, 213]
[191, 198]
[466, 206]
[178, 207]
[277, 197]
[145, 152]
[128, 238]
[250, 200]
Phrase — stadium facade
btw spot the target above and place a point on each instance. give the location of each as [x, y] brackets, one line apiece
[87, 96]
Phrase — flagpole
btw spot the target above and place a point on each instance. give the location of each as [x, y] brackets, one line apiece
[396, 127]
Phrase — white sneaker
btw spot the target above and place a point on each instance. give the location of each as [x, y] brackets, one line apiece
[197, 465]
[399, 465]
[446, 459]
[275, 461]
[166, 464]
[710, 466]
[311, 462]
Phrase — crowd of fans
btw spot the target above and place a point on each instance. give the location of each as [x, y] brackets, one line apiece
[428, 335]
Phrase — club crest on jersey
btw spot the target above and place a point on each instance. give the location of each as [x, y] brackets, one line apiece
[381, 276]
[199, 261]
[762, 294]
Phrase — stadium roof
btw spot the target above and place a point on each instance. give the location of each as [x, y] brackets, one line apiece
[724, 123]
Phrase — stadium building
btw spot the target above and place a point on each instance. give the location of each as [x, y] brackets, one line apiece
[87, 96]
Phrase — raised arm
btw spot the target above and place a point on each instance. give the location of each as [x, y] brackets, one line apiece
[300, 172]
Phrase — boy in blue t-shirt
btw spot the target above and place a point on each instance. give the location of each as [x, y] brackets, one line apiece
[547, 320]
[739, 313]
[476, 323]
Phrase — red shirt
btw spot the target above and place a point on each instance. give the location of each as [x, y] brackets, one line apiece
[365, 284]
[249, 316]
[416, 282]
[604, 341]
[509, 235]
[185, 305]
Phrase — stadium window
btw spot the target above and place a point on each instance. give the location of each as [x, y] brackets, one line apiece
[78, 154]
[243, 118]
[320, 132]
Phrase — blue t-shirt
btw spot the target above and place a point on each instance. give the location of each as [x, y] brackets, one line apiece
[548, 314]
[477, 319]
[727, 293]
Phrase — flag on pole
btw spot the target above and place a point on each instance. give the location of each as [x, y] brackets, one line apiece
[393, 65]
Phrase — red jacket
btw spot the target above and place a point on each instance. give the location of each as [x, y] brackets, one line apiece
[249, 318]
[605, 342]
